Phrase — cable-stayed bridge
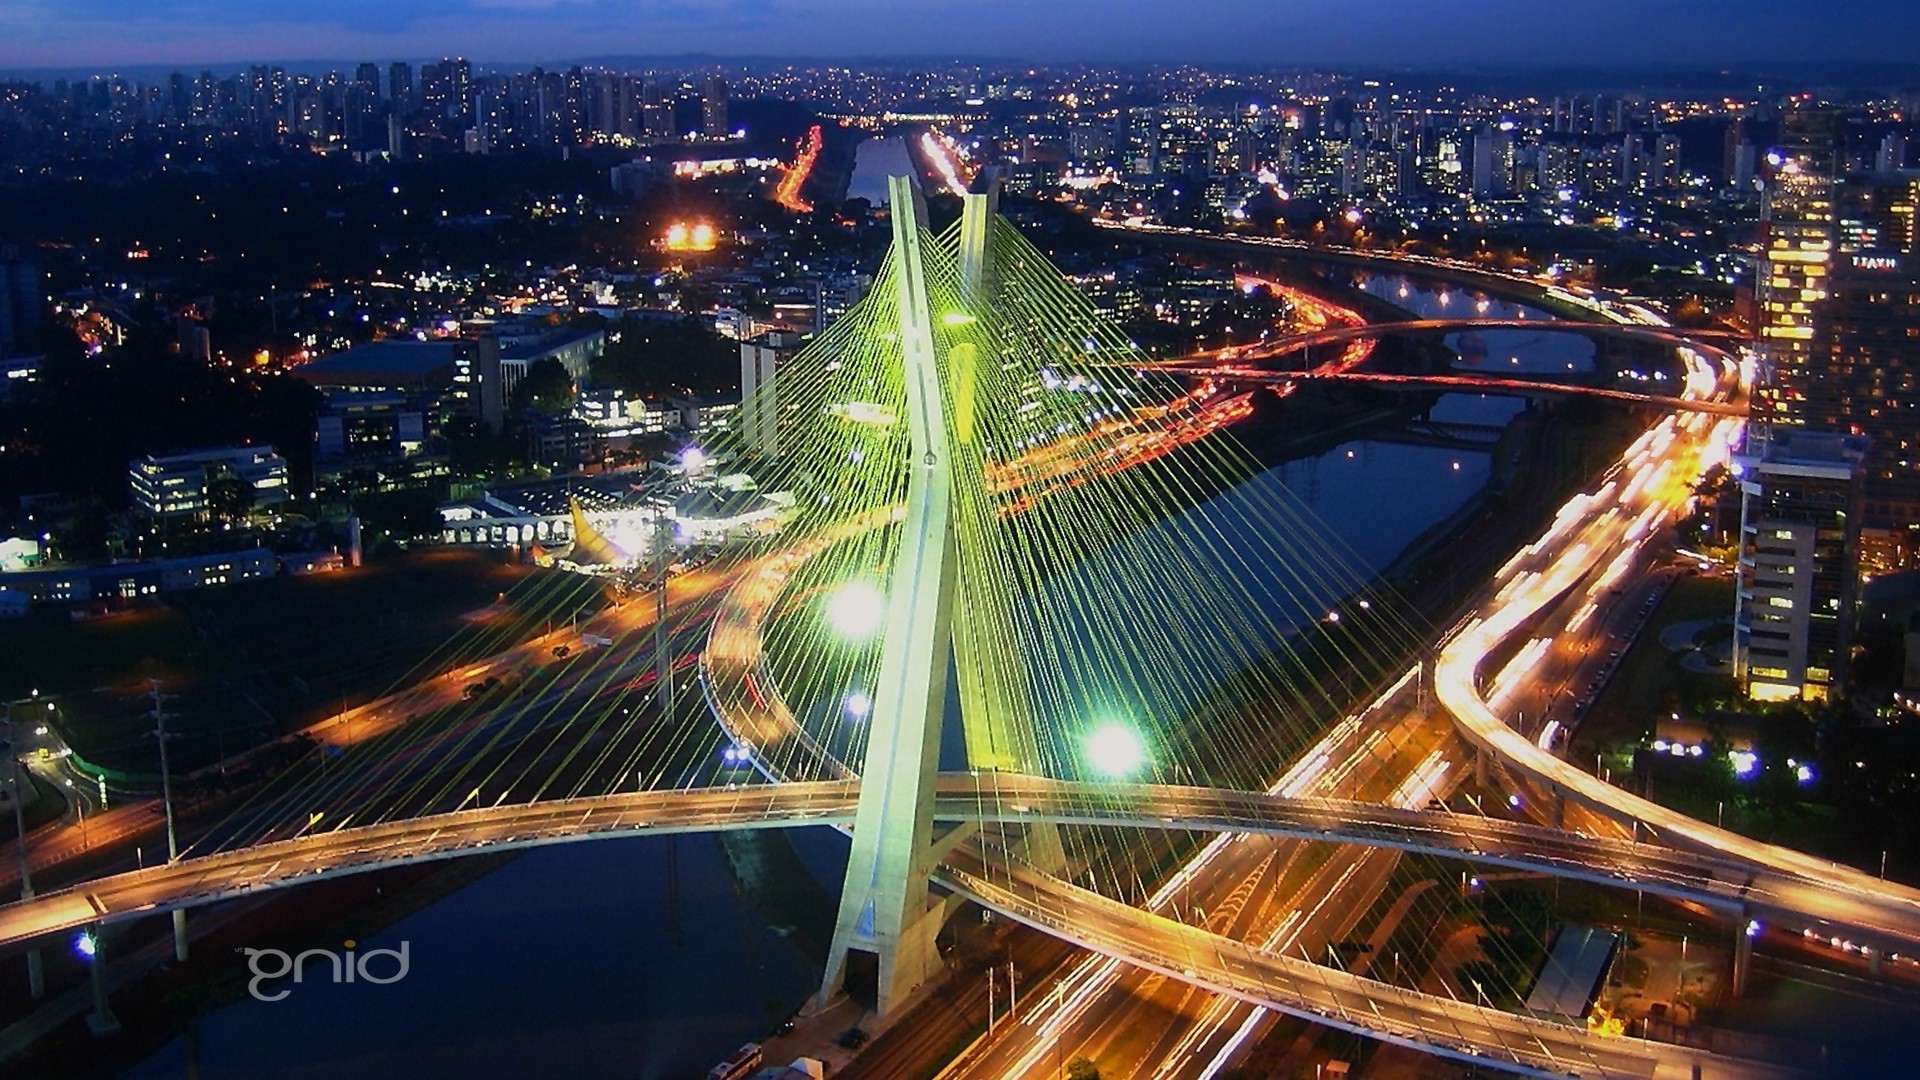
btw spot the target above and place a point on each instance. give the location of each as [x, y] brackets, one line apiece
[976, 498]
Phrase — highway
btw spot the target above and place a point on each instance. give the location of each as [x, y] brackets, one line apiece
[1453, 1029]
[1203, 957]
[988, 797]
[1595, 541]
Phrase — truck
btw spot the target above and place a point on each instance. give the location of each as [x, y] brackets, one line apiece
[743, 1063]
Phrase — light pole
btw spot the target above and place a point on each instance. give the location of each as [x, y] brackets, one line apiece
[36, 973]
[159, 715]
[93, 946]
[663, 658]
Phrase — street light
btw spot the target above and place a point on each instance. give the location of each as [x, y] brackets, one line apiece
[36, 976]
[1114, 750]
[858, 705]
[856, 610]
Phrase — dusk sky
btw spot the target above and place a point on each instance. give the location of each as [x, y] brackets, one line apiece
[1429, 33]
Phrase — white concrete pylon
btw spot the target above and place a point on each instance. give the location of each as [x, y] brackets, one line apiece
[884, 903]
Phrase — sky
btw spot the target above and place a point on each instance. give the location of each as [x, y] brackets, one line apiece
[1430, 34]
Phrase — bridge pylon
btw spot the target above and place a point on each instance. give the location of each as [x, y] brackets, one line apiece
[885, 907]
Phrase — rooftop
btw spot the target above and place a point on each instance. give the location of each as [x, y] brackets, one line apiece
[393, 358]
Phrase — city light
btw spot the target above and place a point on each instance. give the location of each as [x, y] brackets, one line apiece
[856, 610]
[1114, 750]
[1745, 762]
[858, 705]
[684, 237]
[86, 945]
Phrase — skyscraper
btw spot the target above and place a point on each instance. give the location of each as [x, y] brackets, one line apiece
[1866, 353]
[1797, 239]
[1799, 562]
[400, 86]
[713, 109]
[22, 296]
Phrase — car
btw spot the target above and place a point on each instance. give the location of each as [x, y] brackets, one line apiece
[853, 1038]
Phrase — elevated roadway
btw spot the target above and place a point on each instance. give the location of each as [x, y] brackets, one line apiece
[1889, 914]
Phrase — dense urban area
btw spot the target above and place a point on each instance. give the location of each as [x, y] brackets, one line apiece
[1478, 517]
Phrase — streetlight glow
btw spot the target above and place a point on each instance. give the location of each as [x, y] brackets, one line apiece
[1114, 750]
[856, 610]
[858, 705]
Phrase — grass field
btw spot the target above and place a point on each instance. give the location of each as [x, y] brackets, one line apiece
[1650, 677]
[250, 661]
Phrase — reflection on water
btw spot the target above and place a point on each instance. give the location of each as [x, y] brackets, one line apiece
[1516, 352]
[569, 961]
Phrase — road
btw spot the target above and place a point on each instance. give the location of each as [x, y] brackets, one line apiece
[1595, 542]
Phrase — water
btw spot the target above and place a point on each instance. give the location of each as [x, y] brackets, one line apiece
[1209, 592]
[569, 961]
[873, 162]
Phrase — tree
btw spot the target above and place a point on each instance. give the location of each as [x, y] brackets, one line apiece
[546, 386]
[679, 356]
[1082, 1069]
[229, 498]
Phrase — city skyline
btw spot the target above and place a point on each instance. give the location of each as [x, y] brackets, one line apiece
[40, 35]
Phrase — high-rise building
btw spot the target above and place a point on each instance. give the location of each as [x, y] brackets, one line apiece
[22, 296]
[656, 112]
[400, 86]
[1893, 153]
[1797, 240]
[759, 409]
[1799, 562]
[1487, 157]
[713, 109]
[459, 77]
[1866, 355]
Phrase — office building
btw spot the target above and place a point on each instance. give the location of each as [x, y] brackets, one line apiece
[1866, 352]
[1797, 241]
[1800, 495]
[176, 485]
[369, 426]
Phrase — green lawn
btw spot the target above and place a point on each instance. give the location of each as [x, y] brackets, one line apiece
[54, 655]
[1650, 677]
[247, 662]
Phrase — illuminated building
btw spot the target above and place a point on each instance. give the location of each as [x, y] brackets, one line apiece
[759, 413]
[1866, 352]
[175, 486]
[1797, 239]
[1800, 495]
[713, 109]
